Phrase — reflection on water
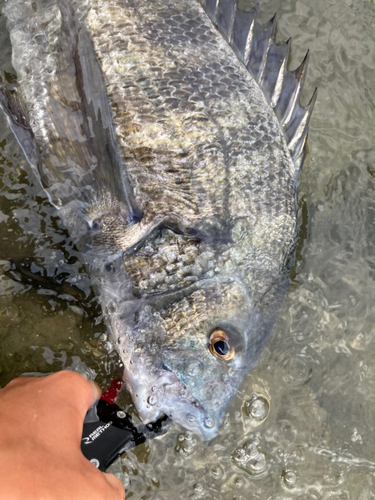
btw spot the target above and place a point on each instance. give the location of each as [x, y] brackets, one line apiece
[303, 425]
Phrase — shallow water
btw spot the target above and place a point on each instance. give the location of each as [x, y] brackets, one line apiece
[303, 425]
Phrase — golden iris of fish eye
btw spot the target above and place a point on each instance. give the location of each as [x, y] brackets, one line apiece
[219, 335]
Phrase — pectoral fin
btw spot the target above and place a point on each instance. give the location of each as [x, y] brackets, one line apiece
[17, 118]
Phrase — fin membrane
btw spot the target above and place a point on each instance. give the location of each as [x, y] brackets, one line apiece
[255, 46]
[17, 118]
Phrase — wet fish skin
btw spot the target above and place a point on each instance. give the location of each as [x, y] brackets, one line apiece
[203, 147]
[186, 113]
[184, 168]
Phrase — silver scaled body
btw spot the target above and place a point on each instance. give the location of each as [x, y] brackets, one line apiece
[169, 136]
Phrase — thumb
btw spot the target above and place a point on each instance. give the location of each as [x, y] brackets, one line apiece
[116, 485]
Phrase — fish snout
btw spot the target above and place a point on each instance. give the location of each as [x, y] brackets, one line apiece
[167, 395]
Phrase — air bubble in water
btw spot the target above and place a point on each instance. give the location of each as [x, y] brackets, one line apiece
[238, 482]
[152, 400]
[289, 477]
[106, 347]
[216, 471]
[257, 408]
[298, 370]
[186, 443]
[250, 459]
[209, 422]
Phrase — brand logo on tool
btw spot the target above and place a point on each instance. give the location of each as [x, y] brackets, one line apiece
[94, 435]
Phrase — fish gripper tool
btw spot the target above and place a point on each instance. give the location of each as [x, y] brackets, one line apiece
[108, 431]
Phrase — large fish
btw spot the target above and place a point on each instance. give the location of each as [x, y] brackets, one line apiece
[169, 136]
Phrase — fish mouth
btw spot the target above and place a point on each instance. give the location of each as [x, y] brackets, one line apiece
[167, 395]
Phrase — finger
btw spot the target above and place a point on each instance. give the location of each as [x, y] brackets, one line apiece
[96, 392]
[75, 388]
[116, 485]
[19, 382]
[65, 384]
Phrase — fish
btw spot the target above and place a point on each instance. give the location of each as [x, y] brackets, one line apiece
[169, 136]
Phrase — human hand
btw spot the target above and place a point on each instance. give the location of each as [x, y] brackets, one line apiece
[41, 423]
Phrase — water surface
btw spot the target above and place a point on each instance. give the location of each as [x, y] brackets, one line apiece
[303, 425]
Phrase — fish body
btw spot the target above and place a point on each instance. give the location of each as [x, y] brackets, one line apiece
[170, 137]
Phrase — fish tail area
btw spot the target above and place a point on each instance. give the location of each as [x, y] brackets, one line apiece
[255, 46]
[60, 114]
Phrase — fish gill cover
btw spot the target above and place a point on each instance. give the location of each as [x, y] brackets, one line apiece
[170, 141]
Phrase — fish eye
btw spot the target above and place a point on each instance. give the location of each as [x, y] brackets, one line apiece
[220, 345]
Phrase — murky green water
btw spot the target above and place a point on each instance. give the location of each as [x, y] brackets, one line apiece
[303, 427]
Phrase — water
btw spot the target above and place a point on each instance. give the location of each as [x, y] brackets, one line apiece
[303, 425]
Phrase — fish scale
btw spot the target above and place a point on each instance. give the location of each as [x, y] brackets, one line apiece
[169, 135]
[245, 174]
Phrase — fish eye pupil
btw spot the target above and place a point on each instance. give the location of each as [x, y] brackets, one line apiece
[219, 344]
[221, 347]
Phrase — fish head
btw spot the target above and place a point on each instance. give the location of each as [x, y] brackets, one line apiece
[187, 358]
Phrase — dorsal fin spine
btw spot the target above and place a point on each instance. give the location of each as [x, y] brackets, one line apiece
[225, 18]
[249, 42]
[274, 97]
[242, 32]
[300, 135]
[264, 60]
[262, 37]
[255, 46]
[210, 6]
[300, 75]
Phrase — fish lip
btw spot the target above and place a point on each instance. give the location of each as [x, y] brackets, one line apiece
[187, 412]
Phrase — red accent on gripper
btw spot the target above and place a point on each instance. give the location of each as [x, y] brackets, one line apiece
[110, 395]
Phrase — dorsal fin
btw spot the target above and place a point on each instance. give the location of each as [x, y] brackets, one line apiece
[255, 46]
